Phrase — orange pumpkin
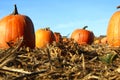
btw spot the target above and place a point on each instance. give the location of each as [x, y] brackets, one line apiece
[104, 40]
[98, 41]
[44, 37]
[58, 36]
[65, 39]
[113, 30]
[14, 26]
[82, 36]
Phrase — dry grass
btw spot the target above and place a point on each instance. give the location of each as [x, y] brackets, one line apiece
[61, 61]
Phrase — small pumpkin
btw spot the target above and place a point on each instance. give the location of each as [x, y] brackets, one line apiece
[104, 40]
[43, 37]
[58, 36]
[15, 26]
[82, 36]
[65, 39]
[98, 41]
[113, 30]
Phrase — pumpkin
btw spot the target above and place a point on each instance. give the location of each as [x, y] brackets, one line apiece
[15, 26]
[82, 36]
[98, 41]
[104, 40]
[65, 39]
[58, 36]
[43, 37]
[113, 30]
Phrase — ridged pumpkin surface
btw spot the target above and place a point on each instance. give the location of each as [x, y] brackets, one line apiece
[82, 36]
[113, 31]
[58, 36]
[44, 37]
[15, 26]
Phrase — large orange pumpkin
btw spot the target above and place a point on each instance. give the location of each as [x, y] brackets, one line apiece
[58, 36]
[113, 30]
[44, 37]
[15, 26]
[82, 36]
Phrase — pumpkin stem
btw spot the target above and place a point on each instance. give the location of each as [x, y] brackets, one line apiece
[118, 7]
[85, 27]
[15, 10]
[47, 28]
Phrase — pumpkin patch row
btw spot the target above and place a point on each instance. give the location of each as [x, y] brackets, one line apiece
[15, 25]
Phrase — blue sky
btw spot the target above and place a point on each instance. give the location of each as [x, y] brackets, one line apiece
[64, 16]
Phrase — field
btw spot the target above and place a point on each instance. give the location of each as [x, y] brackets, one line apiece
[65, 60]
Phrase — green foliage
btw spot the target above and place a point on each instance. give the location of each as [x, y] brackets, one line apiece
[108, 58]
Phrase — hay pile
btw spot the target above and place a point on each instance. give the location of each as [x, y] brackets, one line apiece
[61, 61]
